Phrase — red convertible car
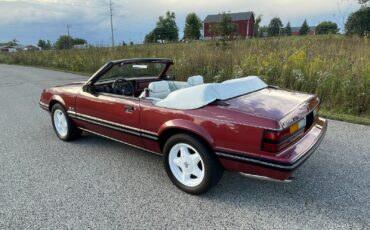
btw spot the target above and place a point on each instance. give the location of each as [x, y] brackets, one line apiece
[200, 129]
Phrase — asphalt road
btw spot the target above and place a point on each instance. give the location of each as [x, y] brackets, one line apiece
[97, 183]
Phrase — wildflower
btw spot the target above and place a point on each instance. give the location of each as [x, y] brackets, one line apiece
[298, 75]
[237, 72]
[216, 78]
[321, 76]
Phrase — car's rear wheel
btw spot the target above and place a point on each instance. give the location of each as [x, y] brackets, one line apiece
[190, 164]
[62, 124]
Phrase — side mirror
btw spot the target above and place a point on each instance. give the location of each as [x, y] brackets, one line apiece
[87, 87]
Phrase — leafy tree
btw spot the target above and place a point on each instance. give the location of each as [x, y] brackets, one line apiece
[48, 45]
[13, 42]
[257, 22]
[64, 42]
[327, 28]
[193, 25]
[45, 45]
[275, 27]
[166, 29]
[78, 41]
[150, 37]
[359, 22]
[226, 27]
[41, 44]
[67, 42]
[304, 28]
[288, 29]
[363, 2]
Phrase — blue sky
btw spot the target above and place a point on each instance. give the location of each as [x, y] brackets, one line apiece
[30, 20]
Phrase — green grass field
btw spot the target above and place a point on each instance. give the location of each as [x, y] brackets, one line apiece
[337, 68]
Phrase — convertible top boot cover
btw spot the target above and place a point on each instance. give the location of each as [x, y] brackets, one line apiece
[200, 95]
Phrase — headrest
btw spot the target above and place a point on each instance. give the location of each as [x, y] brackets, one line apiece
[158, 86]
[195, 80]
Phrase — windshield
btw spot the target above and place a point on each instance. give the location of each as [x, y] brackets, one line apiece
[133, 71]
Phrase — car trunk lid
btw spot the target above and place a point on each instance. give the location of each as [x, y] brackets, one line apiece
[283, 106]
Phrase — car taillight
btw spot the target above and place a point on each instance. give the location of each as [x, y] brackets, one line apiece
[274, 135]
[274, 141]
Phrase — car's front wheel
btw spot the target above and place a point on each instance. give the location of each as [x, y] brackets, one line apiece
[62, 124]
[190, 164]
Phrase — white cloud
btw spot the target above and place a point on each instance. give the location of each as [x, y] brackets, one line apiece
[43, 11]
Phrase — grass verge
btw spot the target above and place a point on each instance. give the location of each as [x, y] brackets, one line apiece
[362, 120]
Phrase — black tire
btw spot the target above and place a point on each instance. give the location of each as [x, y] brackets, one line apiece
[72, 132]
[212, 169]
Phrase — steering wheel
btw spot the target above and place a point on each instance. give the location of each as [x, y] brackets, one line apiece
[122, 86]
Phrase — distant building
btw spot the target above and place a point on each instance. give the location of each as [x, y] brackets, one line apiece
[31, 48]
[295, 30]
[83, 46]
[8, 49]
[19, 48]
[244, 22]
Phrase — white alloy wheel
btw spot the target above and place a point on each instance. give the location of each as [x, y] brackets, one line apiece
[60, 123]
[186, 165]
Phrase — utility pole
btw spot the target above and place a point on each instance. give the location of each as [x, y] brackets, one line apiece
[69, 38]
[68, 26]
[111, 21]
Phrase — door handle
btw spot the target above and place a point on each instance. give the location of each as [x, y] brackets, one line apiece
[129, 108]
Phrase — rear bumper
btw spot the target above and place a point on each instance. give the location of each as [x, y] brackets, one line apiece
[281, 166]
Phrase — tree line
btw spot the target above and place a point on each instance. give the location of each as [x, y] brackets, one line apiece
[166, 29]
[276, 28]
[62, 43]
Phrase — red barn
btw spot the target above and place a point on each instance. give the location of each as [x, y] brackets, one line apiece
[244, 22]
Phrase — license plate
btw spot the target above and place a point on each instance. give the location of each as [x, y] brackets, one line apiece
[298, 125]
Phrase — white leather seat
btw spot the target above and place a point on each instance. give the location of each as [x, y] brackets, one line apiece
[159, 89]
[175, 85]
[195, 80]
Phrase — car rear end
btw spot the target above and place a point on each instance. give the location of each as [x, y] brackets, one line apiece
[285, 146]
[285, 150]
[274, 141]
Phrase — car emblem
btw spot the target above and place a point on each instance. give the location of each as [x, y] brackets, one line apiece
[186, 164]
